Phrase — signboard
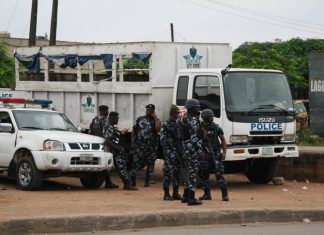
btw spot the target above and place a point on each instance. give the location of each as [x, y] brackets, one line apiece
[316, 92]
[88, 108]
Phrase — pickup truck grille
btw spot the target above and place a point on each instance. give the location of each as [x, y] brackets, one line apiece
[84, 146]
[78, 161]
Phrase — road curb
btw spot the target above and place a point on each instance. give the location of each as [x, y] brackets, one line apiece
[137, 220]
[309, 165]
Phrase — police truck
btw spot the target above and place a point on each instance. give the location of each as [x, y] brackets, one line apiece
[254, 107]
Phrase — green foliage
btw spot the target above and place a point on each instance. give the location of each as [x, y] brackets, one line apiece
[291, 57]
[134, 64]
[309, 139]
[7, 69]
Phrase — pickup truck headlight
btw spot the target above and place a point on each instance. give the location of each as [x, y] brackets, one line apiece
[288, 138]
[239, 139]
[53, 145]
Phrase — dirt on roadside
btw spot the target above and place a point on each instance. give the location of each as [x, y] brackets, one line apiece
[66, 196]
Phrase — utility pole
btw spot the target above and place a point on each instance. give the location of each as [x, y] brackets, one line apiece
[33, 24]
[53, 23]
[172, 37]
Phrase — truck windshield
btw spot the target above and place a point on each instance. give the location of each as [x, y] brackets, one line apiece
[42, 120]
[250, 91]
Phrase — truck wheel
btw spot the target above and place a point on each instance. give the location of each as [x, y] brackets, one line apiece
[260, 171]
[27, 175]
[92, 180]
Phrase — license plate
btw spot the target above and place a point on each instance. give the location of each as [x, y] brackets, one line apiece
[267, 151]
[84, 157]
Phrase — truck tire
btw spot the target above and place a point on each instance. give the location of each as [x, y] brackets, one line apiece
[260, 171]
[93, 180]
[28, 177]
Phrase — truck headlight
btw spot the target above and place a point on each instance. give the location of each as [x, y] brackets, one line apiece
[239, 139]
[53, 145]
[288, 138]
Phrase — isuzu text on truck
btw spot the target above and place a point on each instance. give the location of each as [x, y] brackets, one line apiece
[254, 107]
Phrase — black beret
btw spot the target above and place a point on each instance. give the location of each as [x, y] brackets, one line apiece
[150, 106]
[113, 114]
[103, 107]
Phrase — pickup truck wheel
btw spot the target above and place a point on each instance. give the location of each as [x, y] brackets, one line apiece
[260, 171]
[27, 175]
[92, 180]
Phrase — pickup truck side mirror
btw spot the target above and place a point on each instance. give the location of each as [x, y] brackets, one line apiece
[83, 130]
[5, 127]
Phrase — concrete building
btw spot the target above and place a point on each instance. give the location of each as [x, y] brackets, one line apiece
[12, 43]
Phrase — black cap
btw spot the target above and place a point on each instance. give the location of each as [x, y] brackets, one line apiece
[150, 106]
[113, 114]
[103, 107]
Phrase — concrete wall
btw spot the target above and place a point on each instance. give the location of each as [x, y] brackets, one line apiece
[310, 165]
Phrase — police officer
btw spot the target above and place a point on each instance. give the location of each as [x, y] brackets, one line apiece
[190, 128]
[169, 137]
[214, 157]
[96, 128]
[144, 142]
[113, 141]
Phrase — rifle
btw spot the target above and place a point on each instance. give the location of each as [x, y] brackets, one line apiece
[208, 147]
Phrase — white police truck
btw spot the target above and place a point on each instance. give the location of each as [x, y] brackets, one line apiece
[254, 107]
[255, 110]
[38, 143]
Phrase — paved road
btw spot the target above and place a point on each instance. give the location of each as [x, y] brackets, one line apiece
[64, 205]
[242, 229]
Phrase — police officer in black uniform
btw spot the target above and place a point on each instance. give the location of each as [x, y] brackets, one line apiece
[144, 142]
[113, 142]
[214, 156]
[96, 128]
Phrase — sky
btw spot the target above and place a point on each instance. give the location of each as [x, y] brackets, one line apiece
[216, 21]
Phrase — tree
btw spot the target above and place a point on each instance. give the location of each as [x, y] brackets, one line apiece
[291, 57]
[7, 69]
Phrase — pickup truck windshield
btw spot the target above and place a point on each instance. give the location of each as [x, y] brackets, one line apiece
[248, 91]
[42, 120]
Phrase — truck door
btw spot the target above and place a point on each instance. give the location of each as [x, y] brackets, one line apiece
[206, 89]
[7, 141]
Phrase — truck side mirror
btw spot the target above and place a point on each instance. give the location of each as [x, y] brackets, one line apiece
[224, 71]
[5, 127]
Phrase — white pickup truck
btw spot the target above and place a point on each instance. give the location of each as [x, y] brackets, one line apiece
[40, 143]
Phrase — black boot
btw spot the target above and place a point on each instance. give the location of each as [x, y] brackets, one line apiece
[224, 194]
[167, 196]
[128, 186]
[147, 182]
[110, 184]
[133, 181]
[185, 196]
[192, 201]
[206, 195]
[175, 194]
